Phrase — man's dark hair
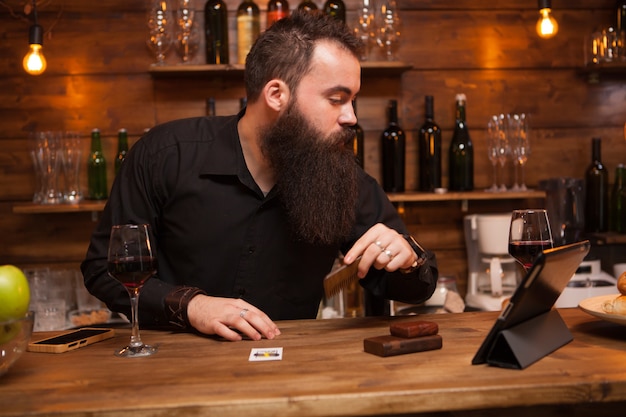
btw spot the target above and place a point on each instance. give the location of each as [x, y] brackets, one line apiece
[285, 49]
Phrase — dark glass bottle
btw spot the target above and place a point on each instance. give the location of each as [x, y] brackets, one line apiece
[596, 191]
[618, 201]
[393, 152]
[621, 16]
[248, 28]
[97, 169]
[276, 10]
[216, 32]
[358, 142]
[461, 155]
[210, 106]
[429, 149]
[122, 149]
[307, 5]
[336, 9]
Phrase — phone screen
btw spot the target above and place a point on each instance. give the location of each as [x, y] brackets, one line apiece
[71, 337]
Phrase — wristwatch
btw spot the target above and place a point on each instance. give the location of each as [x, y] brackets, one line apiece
[419, 252]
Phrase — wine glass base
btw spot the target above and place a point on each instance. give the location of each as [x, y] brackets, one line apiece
[136, 351]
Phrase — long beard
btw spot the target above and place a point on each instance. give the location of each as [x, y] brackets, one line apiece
[316, 177]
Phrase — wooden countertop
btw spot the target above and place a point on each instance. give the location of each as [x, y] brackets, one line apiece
[324, 371]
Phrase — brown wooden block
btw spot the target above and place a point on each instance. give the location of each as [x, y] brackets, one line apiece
[413, 329]
[391, 345]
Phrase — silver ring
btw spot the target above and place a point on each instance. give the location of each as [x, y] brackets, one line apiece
[243, 312]
[388, 253]
[380, 245]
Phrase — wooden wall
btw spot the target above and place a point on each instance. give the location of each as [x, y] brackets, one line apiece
[98, 77]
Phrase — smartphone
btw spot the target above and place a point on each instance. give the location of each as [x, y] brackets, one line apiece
[71, 340]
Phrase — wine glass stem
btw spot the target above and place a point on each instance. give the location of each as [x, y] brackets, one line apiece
[135, 340]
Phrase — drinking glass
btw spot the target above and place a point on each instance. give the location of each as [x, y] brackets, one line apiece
[131, 261]
[159, 29]
[498, 149]
[71, 152]
[365, 27]
[519, 135]
[529, 235]
[388, 28]
[187, 38]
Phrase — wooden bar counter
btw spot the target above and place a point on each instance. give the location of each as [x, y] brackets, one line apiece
[324, 372]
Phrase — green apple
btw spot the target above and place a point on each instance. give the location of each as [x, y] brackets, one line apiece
[14, 293]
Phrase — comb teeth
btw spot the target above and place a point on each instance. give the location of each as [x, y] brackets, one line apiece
[341, 278]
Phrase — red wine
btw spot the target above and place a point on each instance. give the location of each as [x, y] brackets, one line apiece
[526, 251]
[133, 271]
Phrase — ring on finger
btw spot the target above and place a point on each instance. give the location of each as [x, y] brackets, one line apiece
[243, 312]
[389, 254]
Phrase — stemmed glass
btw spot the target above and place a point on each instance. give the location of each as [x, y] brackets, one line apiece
[159, 29]
[388, 28]
[529, 235]
[519, 130]
[365, 27]
[187, 40]
[497, 148]
[131, 261]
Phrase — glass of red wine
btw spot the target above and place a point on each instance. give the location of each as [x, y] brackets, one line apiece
[131, 261]
[529, 235]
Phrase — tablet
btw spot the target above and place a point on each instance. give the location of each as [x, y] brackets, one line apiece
[537, 292]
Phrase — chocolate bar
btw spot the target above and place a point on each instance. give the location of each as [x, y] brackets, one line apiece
[413, 329]
[392, 345]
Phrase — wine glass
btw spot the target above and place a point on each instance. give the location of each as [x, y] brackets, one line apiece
[159, 29]
[492, 151]
[529, 235]
[523, 147]
[131, 261]
[365, 27]
[187, 38]
[388, 28]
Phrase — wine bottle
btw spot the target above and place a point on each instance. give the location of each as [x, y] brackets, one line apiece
[429, 149]
[216, 32]
[358, 141]
[307, 5]
[336, 9]
[596, 191]
[122, 149]
[393, 152]
[276, 10]
[210, 106]
[97, 169]
[248, 28]
[461, 153]
[617, 210]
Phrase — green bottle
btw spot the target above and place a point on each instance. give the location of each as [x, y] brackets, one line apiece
[97, 169]
[122, 149]
[461, 152]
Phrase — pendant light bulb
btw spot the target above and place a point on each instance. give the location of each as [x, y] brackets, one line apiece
[547, 26]
[34, 62]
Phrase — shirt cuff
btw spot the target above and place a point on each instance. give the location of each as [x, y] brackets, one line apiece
[420, 253]
[176, 303]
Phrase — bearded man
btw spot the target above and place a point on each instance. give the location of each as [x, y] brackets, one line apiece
[248, 212]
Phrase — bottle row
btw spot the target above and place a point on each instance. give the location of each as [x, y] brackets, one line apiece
[58, 161]
[460, 153]
[249, 24]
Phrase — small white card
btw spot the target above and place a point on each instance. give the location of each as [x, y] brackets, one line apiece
[266, 354]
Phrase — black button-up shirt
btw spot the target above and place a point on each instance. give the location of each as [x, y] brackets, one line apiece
[214, 229]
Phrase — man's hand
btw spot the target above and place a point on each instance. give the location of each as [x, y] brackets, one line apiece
[222, 316]
[382, 247]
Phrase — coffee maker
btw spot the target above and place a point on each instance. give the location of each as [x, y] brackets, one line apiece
[493, 273]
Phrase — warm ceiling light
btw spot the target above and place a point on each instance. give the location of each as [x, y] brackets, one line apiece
[546, 25]
[34, 62]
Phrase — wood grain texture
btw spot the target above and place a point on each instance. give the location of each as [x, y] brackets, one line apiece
[324, 372]
[98, 77]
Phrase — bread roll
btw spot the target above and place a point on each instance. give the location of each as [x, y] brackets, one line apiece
[621, 283]
[615, 306]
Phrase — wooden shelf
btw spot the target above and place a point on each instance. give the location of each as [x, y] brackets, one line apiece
[85, 206]
[615, 69]
[410, 197]
[369, 68]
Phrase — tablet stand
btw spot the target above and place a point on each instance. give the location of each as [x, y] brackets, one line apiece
[529, 341]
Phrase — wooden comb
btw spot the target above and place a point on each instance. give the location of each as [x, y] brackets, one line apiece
[341, 278]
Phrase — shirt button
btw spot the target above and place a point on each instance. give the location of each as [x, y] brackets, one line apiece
[251, 250]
